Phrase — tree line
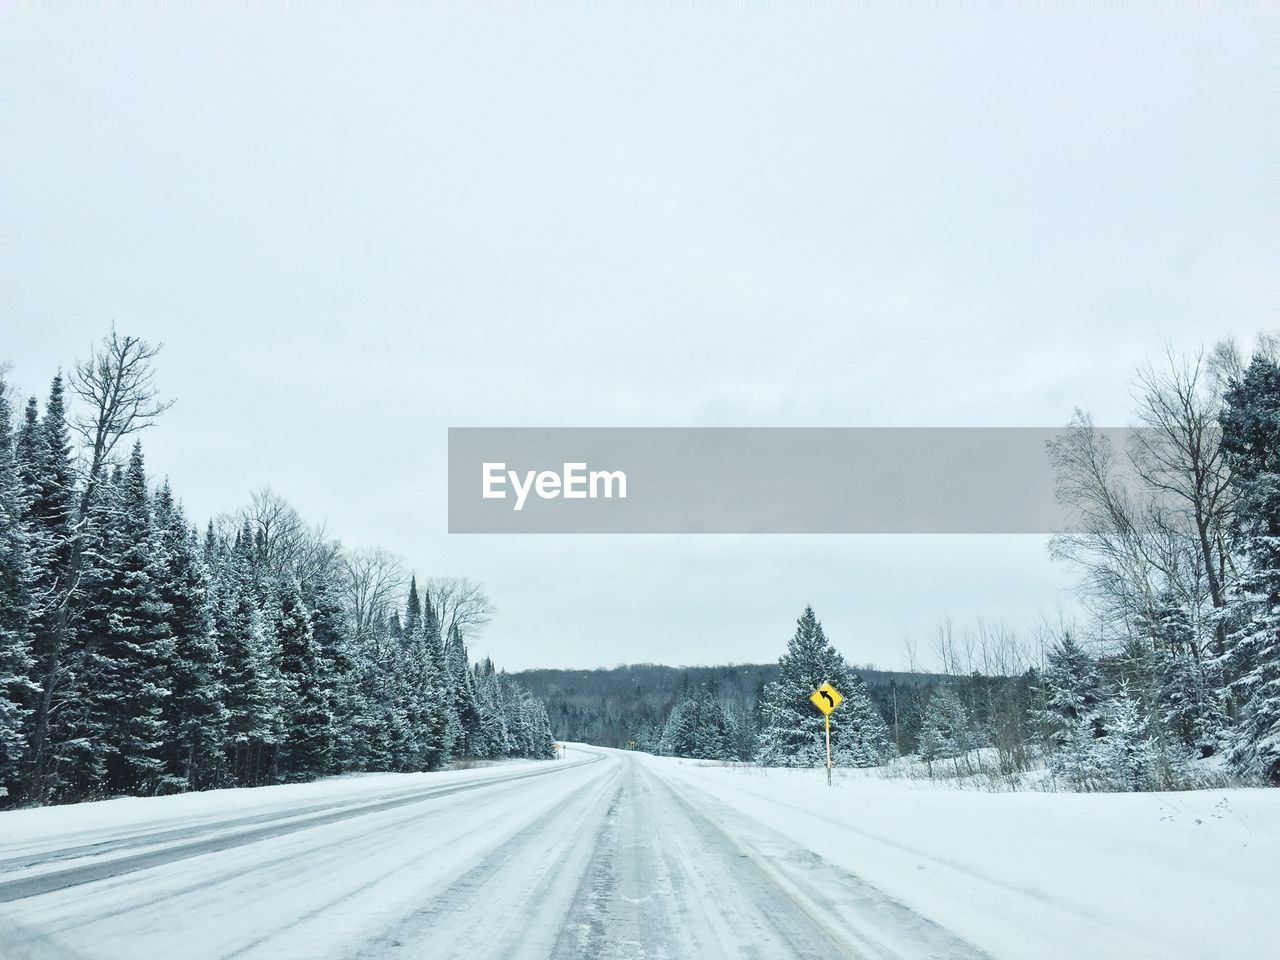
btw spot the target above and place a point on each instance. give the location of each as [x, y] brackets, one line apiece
[138, 656]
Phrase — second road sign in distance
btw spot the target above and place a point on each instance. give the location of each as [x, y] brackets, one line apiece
[826, 698]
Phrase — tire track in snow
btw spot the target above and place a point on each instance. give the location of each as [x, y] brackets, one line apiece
[520, 874]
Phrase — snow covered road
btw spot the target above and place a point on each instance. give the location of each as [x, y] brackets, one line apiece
[597, 855]
[620, 855]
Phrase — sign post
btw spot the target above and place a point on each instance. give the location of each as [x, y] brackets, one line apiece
[826, 698]
[827, 718]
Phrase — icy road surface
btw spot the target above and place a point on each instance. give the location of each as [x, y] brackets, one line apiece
[619, 855]
[596, 855]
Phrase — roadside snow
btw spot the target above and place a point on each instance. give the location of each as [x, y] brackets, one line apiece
[1188, 874]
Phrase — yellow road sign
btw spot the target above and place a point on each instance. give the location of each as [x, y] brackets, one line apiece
[826, 698]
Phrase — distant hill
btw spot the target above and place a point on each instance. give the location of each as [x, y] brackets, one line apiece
[614, 706]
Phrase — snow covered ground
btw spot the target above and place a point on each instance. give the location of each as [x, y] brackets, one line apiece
[608, 854]
[1031, 874]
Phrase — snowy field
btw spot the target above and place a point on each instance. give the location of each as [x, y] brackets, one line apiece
[618, 855]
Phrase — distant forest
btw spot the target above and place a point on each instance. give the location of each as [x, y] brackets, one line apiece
[627, 706]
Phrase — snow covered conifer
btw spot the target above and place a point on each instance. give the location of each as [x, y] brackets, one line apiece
[439, 726]
[413, 608]
[462, 685]
[43, 458]
[241, 637]
[194, 715]
[1251, 446]
[1071, 691]
[127, 647]
[792, 729]
[16, 610]
[306, 723]
[334, 658]
[947, 730]
[1127, 754]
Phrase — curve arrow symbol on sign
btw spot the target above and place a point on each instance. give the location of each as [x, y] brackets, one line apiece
[826, 696]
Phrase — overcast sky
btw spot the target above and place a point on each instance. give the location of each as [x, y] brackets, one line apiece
[355, 230]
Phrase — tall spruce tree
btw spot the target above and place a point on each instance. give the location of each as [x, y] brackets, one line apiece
[194, 714]
[470, 735]
[307, 723]
[241, 634]
[792, 733]
[48, 480]
[127, 647]
[334, 662]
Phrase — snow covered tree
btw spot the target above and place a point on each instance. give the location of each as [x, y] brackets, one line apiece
[126, 646]
[16, 610]
[699, 727]
[1192, 708]
[437, 717]
[194, 716]
[947, 731]
[1251, 445]
[43, 456]
[413, 608]
[470, 735]
[307, 723]
[330, 628]
[1127, 755]
[494, 740]
[792, 732]
[246, 668]
[1071, 690]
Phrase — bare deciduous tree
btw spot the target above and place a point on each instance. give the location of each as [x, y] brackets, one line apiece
[117, 386]
[374, 582]
[1153, 521]
[459, 604]
[286, 544]
[1179, 455]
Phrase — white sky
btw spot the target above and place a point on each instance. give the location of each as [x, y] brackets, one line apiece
[354, 230]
